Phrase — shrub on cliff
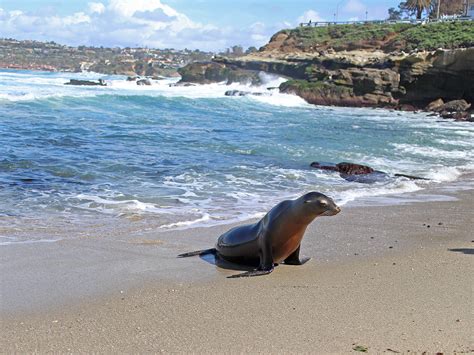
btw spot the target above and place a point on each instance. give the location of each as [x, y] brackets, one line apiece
[384, 36]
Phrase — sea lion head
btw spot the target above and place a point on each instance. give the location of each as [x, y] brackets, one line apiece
[319, 204]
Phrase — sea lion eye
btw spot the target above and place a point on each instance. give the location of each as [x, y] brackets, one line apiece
[323, 203]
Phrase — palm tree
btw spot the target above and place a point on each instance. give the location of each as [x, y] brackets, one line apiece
[418, 6]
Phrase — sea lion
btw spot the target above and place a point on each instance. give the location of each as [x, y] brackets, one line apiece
[275, 238]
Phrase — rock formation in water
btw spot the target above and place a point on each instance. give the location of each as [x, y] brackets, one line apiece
[76, 82]
[214, 72]
[359, 173]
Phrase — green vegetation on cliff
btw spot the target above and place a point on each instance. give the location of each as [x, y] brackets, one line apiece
[385, 36]
[312, 86]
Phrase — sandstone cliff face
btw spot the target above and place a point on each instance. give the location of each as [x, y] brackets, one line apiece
[359, 65]
[213, 72]
[353, 78]
[446, 74]
[415, 80]
[354, 87]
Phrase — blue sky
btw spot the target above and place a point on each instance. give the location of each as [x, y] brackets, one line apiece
[204, 24]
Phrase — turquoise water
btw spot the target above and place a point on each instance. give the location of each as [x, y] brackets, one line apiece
[186, 156]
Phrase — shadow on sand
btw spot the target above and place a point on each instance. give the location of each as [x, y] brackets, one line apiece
[468, 251]
[224, 264]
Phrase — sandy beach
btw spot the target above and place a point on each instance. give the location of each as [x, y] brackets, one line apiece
[382, 278]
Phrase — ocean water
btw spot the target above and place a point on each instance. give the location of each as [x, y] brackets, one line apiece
[80, 161]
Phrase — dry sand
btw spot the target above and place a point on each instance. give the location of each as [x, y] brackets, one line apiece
[379, 279]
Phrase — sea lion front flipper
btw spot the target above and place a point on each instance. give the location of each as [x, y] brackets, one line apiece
[294, 258]
[256, 272]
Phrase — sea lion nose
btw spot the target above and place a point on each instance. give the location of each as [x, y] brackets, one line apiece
[337, 210]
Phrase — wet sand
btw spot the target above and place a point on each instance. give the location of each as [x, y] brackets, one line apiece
[380, 278]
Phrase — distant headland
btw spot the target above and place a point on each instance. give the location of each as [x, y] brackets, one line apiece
[51, 56]
[407, 66]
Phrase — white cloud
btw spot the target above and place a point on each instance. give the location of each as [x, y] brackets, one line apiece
[15, 13]
[96, 8]
[127, 8]
[78, 17]
[134, 23]
[310, 15]
[3, 14]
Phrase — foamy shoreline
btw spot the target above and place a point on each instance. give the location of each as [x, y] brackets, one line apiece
[184, 157]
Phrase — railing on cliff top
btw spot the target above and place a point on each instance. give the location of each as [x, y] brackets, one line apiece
[332, 23]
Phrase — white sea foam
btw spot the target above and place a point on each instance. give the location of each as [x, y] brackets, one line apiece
[97, 203]
[4, 241]
[27, 87]
[444, 174]
[342, 198]
[283, 100]
[433, 152]
[199, 220]
[456, 142]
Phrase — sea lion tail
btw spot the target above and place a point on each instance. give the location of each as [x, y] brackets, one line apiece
[198, 252]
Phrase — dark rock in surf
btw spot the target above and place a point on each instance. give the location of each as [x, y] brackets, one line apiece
[359, 173]
[242, 93]
[456, 106]
[344, 168]
[76, 82]
[211, 72]
[142, 82]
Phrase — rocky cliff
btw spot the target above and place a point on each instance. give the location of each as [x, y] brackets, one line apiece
[368, 67]
[390, 81]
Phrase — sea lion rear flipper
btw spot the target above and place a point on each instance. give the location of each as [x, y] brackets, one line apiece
[257, 272]
[198, 252]
[294, 258]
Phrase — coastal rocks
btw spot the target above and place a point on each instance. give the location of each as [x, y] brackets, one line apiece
[76, 82]
[242, 93]
[455, 106]
[446, 74]
[178, 84]
[142, 82]
[331, 94]
[289, 67]
[435, 105]
[385, 72]
[344, 167]
[359, 173]
[415, 80]
[321, 93]
[210, 72]
[455, 109]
